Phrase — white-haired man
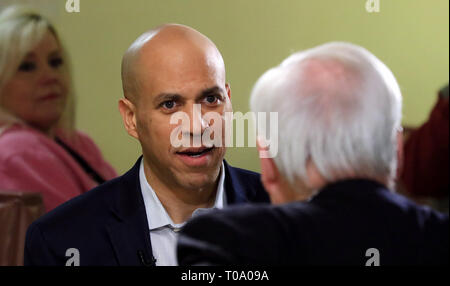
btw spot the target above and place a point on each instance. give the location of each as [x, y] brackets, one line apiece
[339, 124]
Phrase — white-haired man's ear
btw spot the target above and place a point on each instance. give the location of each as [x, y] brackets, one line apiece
[128, 112]
[278, 188]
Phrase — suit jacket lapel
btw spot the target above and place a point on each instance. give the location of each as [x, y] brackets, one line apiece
[128, 227]
[233, 186]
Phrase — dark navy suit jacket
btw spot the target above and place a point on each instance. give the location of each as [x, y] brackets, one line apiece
[338, 226]
[108, 225]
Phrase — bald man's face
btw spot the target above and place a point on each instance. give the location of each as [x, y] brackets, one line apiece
[173, 78]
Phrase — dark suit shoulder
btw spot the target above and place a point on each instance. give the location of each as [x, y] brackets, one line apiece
[95, 203]
[257, 234]
[247, 182]
[247, 177]
[80, 223]
[336, 227]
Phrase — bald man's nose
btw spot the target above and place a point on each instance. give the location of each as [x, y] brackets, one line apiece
[197, 123]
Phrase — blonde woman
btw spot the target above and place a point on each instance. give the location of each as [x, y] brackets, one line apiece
[40, 151]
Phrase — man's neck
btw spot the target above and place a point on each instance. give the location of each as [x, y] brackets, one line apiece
[180, 202]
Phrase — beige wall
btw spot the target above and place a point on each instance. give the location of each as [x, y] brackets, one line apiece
[410, 36]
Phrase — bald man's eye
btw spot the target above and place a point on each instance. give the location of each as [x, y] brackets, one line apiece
[213, 99]
[169, 104]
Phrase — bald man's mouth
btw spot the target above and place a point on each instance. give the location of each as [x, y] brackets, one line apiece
[196, 157]
[195, 152]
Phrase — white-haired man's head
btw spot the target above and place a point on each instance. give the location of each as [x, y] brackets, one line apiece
[339, 111]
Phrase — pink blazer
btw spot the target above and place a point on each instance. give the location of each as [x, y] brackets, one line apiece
[32, 162]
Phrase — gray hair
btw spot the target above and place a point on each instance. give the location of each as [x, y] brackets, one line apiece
[21, 28]
[338, 106]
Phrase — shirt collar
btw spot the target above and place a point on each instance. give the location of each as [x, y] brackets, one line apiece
[157, 215]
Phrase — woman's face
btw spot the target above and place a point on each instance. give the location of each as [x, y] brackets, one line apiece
[37, 91]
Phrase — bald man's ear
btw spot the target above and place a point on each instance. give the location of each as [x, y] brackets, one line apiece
[228, 89]
[128, 112]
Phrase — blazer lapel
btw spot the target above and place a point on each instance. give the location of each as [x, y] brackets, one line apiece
[234, 189]
[128, 227]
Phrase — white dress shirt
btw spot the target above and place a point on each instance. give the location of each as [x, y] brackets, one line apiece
[163, 232]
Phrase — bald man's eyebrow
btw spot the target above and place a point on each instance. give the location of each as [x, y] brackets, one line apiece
[163, 97]
[215, 90]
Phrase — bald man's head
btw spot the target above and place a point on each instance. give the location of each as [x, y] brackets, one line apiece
[169, 71]
[162, 48]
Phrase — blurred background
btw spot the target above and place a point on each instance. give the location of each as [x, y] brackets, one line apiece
[410, 36]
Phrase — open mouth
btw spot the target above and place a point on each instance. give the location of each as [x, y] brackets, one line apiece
[195, 152]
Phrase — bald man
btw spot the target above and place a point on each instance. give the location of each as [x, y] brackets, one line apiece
[134, 219]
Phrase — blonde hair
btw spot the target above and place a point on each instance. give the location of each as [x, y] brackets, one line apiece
[21, 28]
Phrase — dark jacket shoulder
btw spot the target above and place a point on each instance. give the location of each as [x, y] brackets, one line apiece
[247, 186]
[336, 227]
[108, 224]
